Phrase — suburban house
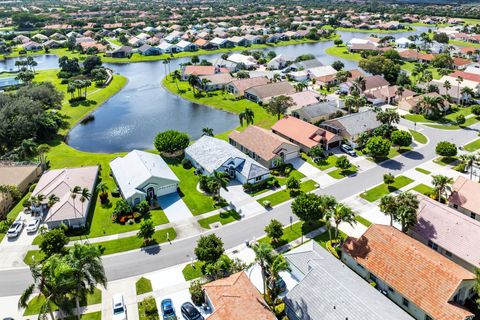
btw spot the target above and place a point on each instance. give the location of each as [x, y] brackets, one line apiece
[306, 64]
[263, 145]
[240, 59]
[67, 210]
[168, 47]
[321, 279]
[465, 197]
[423, 282]
[215, 81]
[304, 134]
[303, 98]
[221, 43]
[32, 46]
[317, 112]
[18, 175]
[143, 175]
[148, 50]
[370, 83]
[263, 93]
[121, 52]
[323, 74]
[238, 87]
[279, 62]
[236, 298]
[386, 95]
[201, 71]
[187, 46]
[210, 154]
[442, 228]
[411, 103]
[352, 125]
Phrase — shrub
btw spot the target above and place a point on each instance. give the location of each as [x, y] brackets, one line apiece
[196, 293]
[32, 187]
[446, 149]
[26, 203]
[280, 310]
[143, 207]
[388, 178]
[293, 183]
[332, 250]
[171, 141]
[476, 109]
[267, 204]
[460, 167]
[460, 119]
[149, 307]
[130, 221]
[186, 164]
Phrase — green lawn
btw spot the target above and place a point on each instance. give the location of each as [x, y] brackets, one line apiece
[424, 189]
[417, 118]
[142, 306]
[363, 221]
[225, 217]
[293, 232]
[464, 43]
[294, 173]
[423, 171]
[114, 41]
[377, 192]
[284, 195]
[323, 238]
[394, 151]
[322, 164]
[194, 271]
[114, 246]
[340, 173]
[87, 316]
[418, 137]
[445, 161]
[448, 122]
[374, 30]
[143, 285]
[222, 101]
[342, 52]
[472, 146]
[15, 211]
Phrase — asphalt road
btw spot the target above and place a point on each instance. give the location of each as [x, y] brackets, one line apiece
[132, 263]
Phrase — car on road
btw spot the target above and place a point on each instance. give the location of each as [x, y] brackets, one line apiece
[348, 150]
[15, 229]
[168, 312]
[189, 312]
[119, 308]
[33, 225]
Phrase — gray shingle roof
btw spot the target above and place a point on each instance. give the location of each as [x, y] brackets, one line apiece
[330, 290]
[356, 123]
[318, 109]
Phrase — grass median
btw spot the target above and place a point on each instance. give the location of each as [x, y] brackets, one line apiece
[379, 191]
[284, 195]
[223, 218]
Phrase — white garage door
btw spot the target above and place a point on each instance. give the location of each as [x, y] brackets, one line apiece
[167, 190]
[291, 155]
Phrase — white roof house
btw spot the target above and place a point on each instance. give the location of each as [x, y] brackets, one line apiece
[403, 42]
[238, 58]
[360, 41]
[140, 174]
[321, 71]
[167, 47]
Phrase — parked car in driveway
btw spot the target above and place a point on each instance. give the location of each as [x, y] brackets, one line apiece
[32, 225]
[348, 150]
[189, 312]
[119, 308]
[15, 229]
[168, 312]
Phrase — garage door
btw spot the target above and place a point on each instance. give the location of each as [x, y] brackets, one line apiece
[291, 155]
[167, 189]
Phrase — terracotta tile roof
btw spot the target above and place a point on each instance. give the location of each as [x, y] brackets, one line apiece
[468, 49]
[201, 42]
[355, 74]
[465, 194]
[263, 142]
[203, 70]
[420, 274]
[302, 132]
[459, 62]
[413, 54]
[466, 76]
[236, 298]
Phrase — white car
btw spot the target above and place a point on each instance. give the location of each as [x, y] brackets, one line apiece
[15, 229]
[119, 308]
[33, 225]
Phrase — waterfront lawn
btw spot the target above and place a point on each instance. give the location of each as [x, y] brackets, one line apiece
[472, 146]
[293, 232]
[284, 195]
[423, 171]
[220, 100]
[143, 285]
[342, 52]
[424, 189]
[418, 137]
[374, 30]
[377, 192]
[224, 218]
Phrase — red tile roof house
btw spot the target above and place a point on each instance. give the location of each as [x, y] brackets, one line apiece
[465, 197]
[421, 281]
[201, 71]
[236, 298]
[304, 134]
[448, 232]
[263, 146]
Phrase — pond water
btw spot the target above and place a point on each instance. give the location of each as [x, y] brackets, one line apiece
[133, 117]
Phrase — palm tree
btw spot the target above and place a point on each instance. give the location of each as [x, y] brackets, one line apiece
[221, 180]
[263, 256]
[207, 132]
[429, 105]
[88, 271]
[71, 88]
[387, 206]
[52, 199]
[42, 151]
[85, 195]
[247, 115]
[406, 210]
[278, 265]
[102, 188]
[276, 77]
[73, 193]
[441, 184]
[466, 91]
[342, 213]
[359, 84]
[176, 77]
[447, 86]
[469, 159]
[459, 81]
[205, 82]
[193, 81]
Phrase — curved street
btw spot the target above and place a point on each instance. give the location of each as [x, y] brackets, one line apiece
[137, 262]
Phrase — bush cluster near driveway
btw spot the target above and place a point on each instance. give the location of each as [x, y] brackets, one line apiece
[224, 218]
[377, 192]
[147, 309]
[284, 195]
[143, 285]
[322, 164]
[36, 302]
[293, 232]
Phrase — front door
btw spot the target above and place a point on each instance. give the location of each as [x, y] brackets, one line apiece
[231, 172]
[151, 192]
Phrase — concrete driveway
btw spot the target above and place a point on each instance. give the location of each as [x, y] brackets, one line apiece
[304, 167]
[174, 207]
[239, 200]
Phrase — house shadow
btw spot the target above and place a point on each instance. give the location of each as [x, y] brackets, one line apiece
[425, 228]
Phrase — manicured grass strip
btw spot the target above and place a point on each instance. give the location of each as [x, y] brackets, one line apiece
[323, 238]
[322, 164]
[114, 246]
[373, 30]
[194, 271]
[223, 217]
[423, 171]
[377, 192]
[445, 161]
[417, 136]
[340, 173]
[363, 221]
[472, 146]
[417, 118]
[394, 151]
[143, 285]
[284, 195]
[424, 189]
[294, 173]
[293, 232]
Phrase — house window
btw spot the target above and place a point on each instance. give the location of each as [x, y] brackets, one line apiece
[372, 277]
[258, 178]
[448, 253]
[360, 266]
[455, 206]
[405, 302]
[473, 215]
[391, 289]
[432, 245]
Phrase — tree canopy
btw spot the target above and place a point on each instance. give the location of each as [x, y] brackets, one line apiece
[171, 141]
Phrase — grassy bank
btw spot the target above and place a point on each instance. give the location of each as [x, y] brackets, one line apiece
[375, 30]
